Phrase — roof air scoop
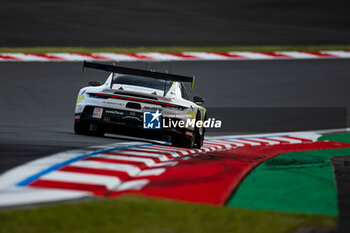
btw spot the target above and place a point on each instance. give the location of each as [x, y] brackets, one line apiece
[120, 88]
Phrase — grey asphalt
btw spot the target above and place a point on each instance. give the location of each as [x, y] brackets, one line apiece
[38, 99]
[173, 23]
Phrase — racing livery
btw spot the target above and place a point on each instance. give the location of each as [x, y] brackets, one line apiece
[128, 96]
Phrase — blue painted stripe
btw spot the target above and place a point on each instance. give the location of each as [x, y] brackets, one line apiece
[60, 165]
[232, 138]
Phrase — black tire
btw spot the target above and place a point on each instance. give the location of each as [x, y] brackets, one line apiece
[81, 128]
[175, 141]
[183, 141]
[188, 142]
[84, 128]
[194, 142]
[199, 139]
[199, 136]
[99, 133]
[96, 130]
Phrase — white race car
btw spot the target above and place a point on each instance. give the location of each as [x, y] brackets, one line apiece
[140, 103]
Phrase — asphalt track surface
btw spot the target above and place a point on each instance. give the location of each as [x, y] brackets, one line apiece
[38, 99]
[174, 23]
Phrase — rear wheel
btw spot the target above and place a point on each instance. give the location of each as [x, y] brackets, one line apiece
[96, 130]
[199, 133]
[85, 128]
[183, 141]
[195, 141]
[81, 128]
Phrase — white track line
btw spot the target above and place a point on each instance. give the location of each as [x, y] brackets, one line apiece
[218, 144]
[119, 57]
[129, 169]
[184, 56]
[155, 150]
[132, 185]
[108, 181]
[300, 55]
[253, 56]
[161, 56]
[23, 196]
[246, 142]
[134, 153]
[165, 164]
[230, 142]
[168, 148]
[343, 54]
[265, 140]
[289, 140]
[152, 172]
[148, 162]
[206, 56]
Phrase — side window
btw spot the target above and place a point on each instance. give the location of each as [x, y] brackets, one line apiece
[183, 92]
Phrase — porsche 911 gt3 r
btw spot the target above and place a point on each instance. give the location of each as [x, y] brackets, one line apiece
[140, 103]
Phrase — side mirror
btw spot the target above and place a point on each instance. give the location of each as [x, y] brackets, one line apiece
[198, 100]
[94, 83]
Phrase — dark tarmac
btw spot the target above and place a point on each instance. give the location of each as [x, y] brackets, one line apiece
[173, 23]
[38, 99]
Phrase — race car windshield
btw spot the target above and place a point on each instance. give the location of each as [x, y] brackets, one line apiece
[142, 82]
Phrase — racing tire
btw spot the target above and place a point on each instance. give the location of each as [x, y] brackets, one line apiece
[182, 142]
[85, 128]
[96, 130]
[81, 128]
[199, 137]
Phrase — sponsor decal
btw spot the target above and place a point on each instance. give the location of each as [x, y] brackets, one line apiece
[189, 133]
[110, 102]
[114, 112]
[97, 113]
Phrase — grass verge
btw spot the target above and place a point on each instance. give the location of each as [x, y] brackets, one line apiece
[139, 214]
[169, 49]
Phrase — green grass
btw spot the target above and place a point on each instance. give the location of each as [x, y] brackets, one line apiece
[169, 49]
[139, 214]
[343, 137]
[301, 182]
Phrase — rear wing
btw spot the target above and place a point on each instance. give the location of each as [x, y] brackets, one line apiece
[143, 73]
